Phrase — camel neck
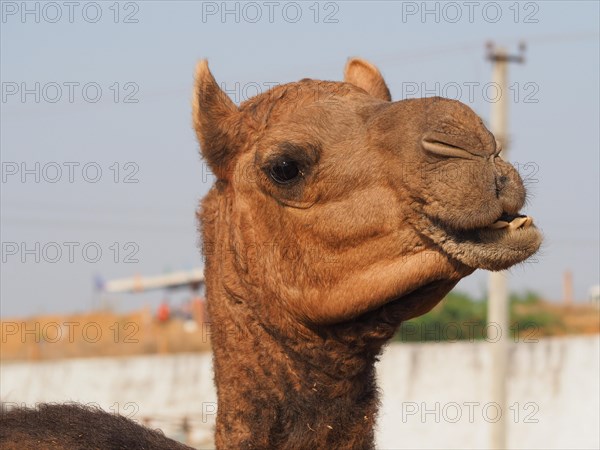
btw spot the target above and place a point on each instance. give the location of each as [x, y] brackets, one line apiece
[291, 390]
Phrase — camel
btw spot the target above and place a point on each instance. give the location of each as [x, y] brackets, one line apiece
[336, 214]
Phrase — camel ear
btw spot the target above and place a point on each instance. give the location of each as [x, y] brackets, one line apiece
[215, 120]
[366, 76]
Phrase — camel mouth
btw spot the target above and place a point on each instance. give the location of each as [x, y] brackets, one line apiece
[511, 221]
[509, 240]
[505, 223]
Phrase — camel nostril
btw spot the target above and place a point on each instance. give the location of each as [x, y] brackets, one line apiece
[501, 183]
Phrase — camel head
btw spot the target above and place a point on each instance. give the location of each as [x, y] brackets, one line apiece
[332, 201]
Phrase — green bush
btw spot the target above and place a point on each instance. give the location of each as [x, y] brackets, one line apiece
[457, 317]
[460, 317]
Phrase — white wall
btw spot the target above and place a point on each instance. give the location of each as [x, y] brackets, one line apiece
[554, 382]
[429, 392]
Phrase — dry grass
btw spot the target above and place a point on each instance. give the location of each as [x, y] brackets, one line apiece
[100, 333]
[578, 319]
[104, 333]
[553, 319]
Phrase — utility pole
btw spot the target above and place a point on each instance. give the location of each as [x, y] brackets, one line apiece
[498, 307]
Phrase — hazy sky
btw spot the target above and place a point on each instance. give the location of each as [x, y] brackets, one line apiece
[96, 97]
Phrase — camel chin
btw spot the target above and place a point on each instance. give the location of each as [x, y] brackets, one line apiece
[508, 241]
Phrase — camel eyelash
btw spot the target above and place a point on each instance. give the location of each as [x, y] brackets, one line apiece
[289, 159]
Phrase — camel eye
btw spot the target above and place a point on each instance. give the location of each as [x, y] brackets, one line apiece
[285, 171]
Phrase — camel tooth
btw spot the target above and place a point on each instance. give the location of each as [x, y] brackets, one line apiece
[517, 223]
[498, 225]
[528, 222]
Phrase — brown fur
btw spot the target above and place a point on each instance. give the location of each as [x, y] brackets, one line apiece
[306, 281]
[76, 427]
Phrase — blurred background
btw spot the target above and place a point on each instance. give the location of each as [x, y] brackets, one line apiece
[101, 278]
